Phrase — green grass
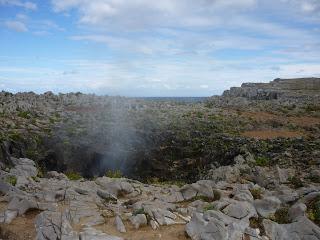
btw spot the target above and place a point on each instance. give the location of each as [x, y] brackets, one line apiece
[256, 193]
[73, 176]
[24, 114]
[11, 180]
[138, 211]
[262, 161]
[296, 182]
[313, 210]
[114, 174]
[281, 216]
[209, 207]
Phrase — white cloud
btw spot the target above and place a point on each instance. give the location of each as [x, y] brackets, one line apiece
[145, 13]
[16, 26]
[24, 4]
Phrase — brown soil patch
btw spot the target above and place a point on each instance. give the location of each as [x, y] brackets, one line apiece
[261, 116]
[271, 134]
[174, 232]
[304, 121]
[21, 228]
[265, 117]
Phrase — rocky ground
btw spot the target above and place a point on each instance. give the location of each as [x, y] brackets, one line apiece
[244, 165]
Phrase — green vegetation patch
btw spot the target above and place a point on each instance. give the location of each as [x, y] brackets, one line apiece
[262, 161]
[256, 193]
[313, 210]
[73, 176]
[138, 211]
[24, 114]
[256, 222]
[281, 216]
[11, 180]
[114, 174]
[296, 181]
[209, 207]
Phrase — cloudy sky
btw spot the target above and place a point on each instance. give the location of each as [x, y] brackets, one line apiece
[155, 48]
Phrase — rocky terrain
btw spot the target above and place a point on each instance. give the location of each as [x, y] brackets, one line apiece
[244, 165]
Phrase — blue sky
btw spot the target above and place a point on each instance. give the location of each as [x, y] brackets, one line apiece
[155, 48]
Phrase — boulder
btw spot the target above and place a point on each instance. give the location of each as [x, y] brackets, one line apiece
[93, 234]
[303, 229]
[53, 226]
[106, 195]
[296, 211]
[119, 225]
[198, 228]
[240, 210]
[117, 187]
[139, 220]
[267, 206]
[22, 204]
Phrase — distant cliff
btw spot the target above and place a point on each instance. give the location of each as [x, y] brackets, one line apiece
[278, 88]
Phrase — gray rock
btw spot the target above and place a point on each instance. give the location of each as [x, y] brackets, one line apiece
[296, 211]
[200, 188]
[106, 195]
[119, 225]
[267, 206]
[303, 229]
[93, 234]
[239, 210]
[163, 217]
[139, 220]
[199, 229]
[52, 226]
[214, 230]
[56, 175]
[195, 226]
[116, 187]
[22, 204]
[9, 215]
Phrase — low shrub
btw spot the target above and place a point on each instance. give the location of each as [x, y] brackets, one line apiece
[114, 174]
[296, 181]
[262, 161]
[281, 216]
[209, 207]
[256, 193]
[138, 211]
[11, 180]
[73, 176]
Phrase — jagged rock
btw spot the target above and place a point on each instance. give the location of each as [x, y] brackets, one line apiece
[22, 204]
[56, 175]
[163, 217]
[302, 229]
[119, 225]
[296, 211]
[93, 234]
[106, 195]
[23, 167]
[283, 174]
[139, 220]
[81, 191]
[52, 226]
[154, 225]
[9, 215]
[116, 187]
[225, 173]
[213, 229]
[267, 206]
[242, 195]
[240, 210]
[200, 188]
